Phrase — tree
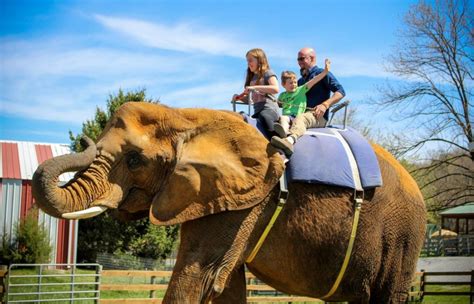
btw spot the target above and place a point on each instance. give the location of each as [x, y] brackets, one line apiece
[31, 242]
[93, 128]
[435, 58]
[100, 234]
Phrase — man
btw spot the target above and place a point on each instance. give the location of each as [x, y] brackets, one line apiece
[319, 99]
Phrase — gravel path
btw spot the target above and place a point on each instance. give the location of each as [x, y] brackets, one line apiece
[446, 264]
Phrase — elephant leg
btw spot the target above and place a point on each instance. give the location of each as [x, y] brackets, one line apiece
[210, 259]
[235, 291]
[398, 275]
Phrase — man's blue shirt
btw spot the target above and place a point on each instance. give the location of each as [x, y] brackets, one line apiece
[322, 90]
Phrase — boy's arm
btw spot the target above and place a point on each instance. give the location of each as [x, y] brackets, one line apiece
[319, 77]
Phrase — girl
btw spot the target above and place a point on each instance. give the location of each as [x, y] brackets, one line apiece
[263, 83]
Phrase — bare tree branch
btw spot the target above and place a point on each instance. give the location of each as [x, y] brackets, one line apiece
[435, 57]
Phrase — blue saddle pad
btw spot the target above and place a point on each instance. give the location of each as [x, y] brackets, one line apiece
[320, 157]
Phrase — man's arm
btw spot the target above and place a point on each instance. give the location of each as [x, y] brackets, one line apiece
[320, 76]
[324, 106]
[339, 93]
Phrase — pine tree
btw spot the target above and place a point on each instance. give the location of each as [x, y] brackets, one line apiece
[31, 242]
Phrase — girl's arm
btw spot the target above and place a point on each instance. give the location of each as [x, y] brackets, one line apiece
[271, 88]
[318, 78]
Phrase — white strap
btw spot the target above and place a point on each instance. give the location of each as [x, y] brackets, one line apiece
[351, 158]
[319, 134]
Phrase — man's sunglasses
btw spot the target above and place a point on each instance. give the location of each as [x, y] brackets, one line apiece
[302, 58]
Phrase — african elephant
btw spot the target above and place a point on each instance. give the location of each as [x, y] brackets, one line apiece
[219, 178]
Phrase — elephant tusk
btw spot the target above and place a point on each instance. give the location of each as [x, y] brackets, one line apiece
[83, 214]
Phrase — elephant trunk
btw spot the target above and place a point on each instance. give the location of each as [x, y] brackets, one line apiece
[81, 191]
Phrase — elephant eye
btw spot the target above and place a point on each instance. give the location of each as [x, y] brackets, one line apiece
[134, 160]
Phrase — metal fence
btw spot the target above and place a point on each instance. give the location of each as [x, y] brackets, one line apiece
[454, 246]
[123, 262]
[53, 283]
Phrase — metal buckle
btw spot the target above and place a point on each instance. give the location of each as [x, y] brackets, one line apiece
[358, 198]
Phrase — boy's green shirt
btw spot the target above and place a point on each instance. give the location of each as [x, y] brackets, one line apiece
[294, 103]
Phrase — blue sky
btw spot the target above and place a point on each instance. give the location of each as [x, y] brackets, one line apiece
[59, 60]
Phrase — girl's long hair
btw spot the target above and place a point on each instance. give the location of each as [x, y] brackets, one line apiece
[262, 65]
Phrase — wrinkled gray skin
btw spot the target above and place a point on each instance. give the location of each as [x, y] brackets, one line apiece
[218, 177]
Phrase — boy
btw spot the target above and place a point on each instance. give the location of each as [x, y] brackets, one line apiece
[293, 101]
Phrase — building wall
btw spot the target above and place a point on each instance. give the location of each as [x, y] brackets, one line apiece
[18, 162]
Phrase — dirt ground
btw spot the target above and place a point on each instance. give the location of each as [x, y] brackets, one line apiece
[446, 264]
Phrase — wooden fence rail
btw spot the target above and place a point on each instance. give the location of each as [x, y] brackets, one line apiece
[424, 284]
[257, 292]
[443, 278]
[254, 287]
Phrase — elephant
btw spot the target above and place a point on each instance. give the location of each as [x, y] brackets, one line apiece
[218, 177]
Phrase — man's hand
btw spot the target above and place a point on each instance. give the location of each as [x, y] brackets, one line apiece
[327, 65]
[319, 110]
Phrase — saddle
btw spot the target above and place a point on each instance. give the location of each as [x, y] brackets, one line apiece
[331, 156]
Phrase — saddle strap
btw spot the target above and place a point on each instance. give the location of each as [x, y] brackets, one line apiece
[281, 202]
[358, 199]
[358, 206]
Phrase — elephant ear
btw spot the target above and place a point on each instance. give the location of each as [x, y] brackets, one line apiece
[218, 171]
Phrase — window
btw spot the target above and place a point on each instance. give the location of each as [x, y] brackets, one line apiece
[462, 226]
[470, 227]
[449, 223]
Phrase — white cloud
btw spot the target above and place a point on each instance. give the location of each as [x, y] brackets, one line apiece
[214, 95]
[63, 79]
[182, 37]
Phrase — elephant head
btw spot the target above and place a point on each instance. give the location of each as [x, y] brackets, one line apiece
[175, 164]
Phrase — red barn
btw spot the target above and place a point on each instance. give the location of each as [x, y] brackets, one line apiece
[18, 162]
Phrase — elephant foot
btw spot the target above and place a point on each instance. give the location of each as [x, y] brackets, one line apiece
[399, 297]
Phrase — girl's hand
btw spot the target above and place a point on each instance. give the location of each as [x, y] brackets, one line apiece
[327, 65]
[248, 89]
[238, 96]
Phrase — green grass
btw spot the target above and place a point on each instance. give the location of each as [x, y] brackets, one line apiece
[119, 294]
[86, 290]
[55, 282]
[446, 299]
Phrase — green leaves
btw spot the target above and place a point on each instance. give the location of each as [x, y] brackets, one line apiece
[93, 128]
[105, 234]
[31, 242]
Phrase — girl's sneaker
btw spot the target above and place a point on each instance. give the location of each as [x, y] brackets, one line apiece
[280, 130]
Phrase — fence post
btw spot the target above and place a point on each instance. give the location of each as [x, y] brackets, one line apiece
[6, 286]
[472, 286]
[468, 241]
[152, 282]
[40, 279]
[73, 272]
[422, 285]
[97, 280]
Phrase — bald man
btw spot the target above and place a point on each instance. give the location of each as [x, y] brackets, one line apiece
[318, 97]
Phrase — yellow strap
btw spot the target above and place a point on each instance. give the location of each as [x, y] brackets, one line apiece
[348, 252]
[266, 231]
